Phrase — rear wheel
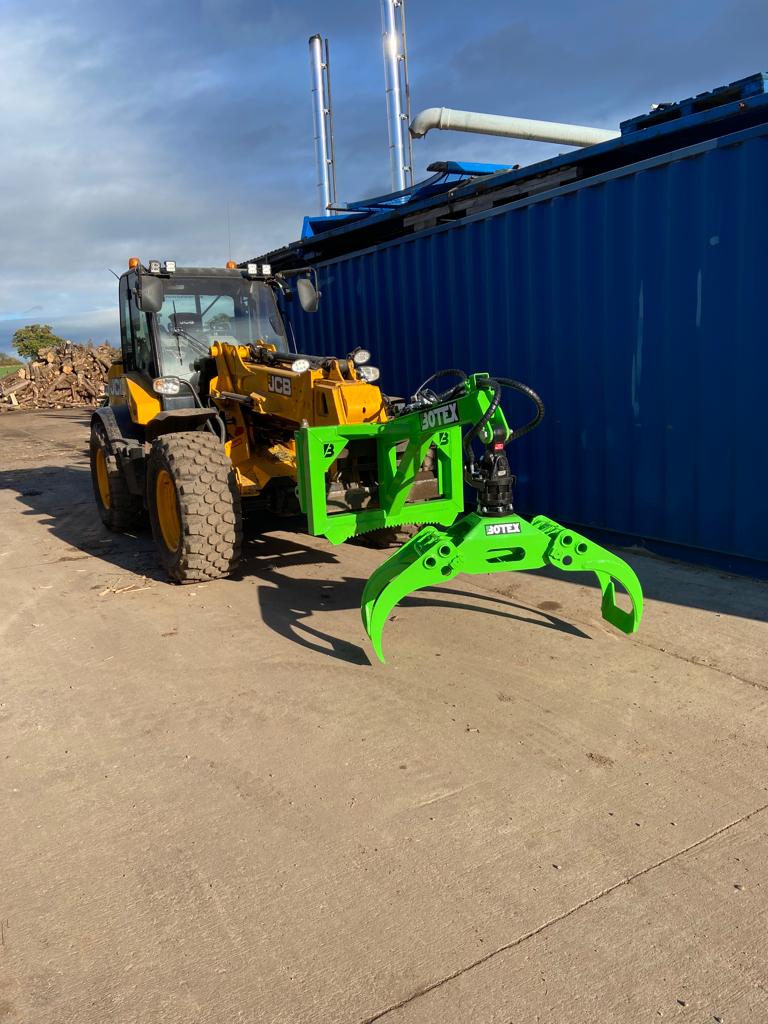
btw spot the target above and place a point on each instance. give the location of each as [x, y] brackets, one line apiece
[194, 506]
[119, 509]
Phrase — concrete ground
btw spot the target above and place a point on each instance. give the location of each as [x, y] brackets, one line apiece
[216, 809]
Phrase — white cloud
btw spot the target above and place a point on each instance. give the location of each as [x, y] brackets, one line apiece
[132, 130]
[96, 166]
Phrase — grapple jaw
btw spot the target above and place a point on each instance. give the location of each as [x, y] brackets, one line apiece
[476, 544]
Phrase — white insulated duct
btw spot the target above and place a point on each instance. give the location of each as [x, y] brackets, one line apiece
[322, 116]
[507, 127]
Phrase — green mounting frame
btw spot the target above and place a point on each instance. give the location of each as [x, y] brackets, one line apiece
[317, 448]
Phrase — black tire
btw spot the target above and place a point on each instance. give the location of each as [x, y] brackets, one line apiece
[192, 469]
[119, 509]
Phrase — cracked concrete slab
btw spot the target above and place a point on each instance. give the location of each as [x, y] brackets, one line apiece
[217, 809]
[680, 940]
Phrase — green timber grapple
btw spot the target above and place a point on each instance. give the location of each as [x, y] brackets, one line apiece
[444, 428]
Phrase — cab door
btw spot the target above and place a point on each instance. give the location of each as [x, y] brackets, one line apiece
[126, 338]
[134, 389]
[135, 335]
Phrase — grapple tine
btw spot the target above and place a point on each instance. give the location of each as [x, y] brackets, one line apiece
[402, 573]
[571, 552]
[381, 578]
[413, 577]
[627, 622]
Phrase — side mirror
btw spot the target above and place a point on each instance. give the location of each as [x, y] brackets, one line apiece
[309, 297]
[149, 294]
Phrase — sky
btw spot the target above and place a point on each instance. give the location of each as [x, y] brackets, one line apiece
[183, 129]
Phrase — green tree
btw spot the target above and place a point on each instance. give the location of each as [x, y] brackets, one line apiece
[6, 359]
[30, 339]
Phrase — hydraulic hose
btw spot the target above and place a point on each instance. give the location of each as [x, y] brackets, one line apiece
[523, 389]
[425, 395]
[488, 384]
[442, 396]
[498, 384]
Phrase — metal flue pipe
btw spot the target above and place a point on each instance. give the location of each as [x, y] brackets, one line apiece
[507, 127]
[322, 117]
[394, 43]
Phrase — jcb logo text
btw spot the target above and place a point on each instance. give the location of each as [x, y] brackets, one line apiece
[280, 385]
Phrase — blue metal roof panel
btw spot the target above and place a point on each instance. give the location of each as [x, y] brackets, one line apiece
[744, 103]
[754, 85]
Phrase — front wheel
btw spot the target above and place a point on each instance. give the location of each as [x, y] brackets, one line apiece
[194, 506]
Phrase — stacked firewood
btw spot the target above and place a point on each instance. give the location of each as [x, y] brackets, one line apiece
[60, 377]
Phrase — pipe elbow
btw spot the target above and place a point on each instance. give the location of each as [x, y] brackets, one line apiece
[507, 127]
[425, 120]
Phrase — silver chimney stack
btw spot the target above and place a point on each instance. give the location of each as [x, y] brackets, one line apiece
[322, 115]
[395, 47]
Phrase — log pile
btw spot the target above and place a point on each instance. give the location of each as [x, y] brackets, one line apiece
[61, 377]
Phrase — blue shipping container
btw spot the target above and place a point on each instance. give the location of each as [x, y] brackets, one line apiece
[630, 299]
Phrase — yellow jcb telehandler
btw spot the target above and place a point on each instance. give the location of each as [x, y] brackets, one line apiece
[210, 412]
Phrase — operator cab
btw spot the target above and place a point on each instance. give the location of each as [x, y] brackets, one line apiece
[168, 333]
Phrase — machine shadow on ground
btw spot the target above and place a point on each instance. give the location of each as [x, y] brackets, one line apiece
[288, 602]
[60, 498]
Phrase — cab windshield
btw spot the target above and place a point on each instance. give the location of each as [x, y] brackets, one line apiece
[197, 311]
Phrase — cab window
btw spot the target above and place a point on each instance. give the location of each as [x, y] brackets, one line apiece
[126, 338]
[142, 344]
[199, 310]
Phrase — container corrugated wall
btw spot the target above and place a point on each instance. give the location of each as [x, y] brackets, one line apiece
[635, 304]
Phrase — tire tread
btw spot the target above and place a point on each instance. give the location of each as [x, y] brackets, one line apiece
[209, 506]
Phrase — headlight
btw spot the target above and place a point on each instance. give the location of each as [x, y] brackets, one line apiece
[369, 373]
[170, 266]
[361, 356]
[255, 269]
[154, 266]
[300, 365]
[166, 385]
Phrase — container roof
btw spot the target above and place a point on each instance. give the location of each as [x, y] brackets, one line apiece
[458, 189]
